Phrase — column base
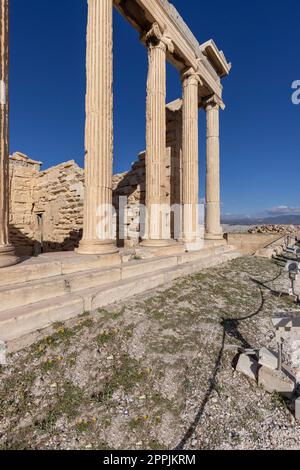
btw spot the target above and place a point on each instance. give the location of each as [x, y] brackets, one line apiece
[96, 247]
[162, 247]
[158, 243]
[214, 236]
[195, 245]
[8, 256]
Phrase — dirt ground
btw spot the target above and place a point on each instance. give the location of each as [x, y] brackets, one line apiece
[155, 372]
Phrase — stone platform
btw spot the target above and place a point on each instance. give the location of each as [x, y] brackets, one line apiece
[60, 286]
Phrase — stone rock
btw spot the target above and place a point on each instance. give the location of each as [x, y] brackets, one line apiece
[268, 358]
[2, 353]
[248, 366]
[297, 409]
[275, 228]
[276, 381]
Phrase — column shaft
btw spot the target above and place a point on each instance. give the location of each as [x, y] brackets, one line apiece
[213, 209]
[98, 231]
[155, 137]
[158, 214]
[7, 254]
[190, 155]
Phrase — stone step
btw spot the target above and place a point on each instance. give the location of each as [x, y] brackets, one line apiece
[22, 321]
[22, 325]
[30, 292]
[54, 264]
[33, 290]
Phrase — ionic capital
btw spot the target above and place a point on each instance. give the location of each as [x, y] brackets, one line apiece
[191, 77]
[158, 38]
[212, 102]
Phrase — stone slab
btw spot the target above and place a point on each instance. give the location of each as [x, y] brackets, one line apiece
[275, 381]
[25, 272]
[268, 358]
[144, 267]
[24, 320]
[248, 366]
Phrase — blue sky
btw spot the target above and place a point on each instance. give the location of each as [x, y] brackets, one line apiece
[260, 137]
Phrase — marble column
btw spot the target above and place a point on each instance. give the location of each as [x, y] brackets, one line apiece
[213, 229]
[158, 218]
[7, 252]
[98, 210]
[190, 156]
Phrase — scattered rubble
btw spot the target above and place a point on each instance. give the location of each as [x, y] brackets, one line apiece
[276, 228]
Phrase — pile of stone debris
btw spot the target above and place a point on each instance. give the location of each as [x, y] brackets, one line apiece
[275, 229]
[265, 367]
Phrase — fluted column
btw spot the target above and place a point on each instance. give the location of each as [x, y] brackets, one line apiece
[7, 252]
[158, 222]
[213, 227]
[98, 230]
[190, 155]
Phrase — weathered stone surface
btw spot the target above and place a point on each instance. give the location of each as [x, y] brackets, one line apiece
[268, 358]
[276, 381]
[248, 366]
[2, 353]
[297, 409]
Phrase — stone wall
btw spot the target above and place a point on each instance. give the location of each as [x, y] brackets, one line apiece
[248, 243]
[47, 206]
[23, 173]
[58, 206]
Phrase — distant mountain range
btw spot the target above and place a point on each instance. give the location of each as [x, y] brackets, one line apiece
[279, 219]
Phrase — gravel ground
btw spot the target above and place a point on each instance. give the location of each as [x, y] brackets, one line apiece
[155, 372]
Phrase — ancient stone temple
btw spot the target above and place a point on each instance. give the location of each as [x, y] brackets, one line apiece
[96, 216]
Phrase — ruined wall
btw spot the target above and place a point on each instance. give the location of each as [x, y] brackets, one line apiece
[23, 172]
[58, 206]
[47, 206]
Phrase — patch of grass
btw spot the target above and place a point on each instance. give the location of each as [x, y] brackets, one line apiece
[48, 365]
[157, 314]
[255, 436]
[167, 344]
[278, 400]
[126, 376]
[136, 423]
[83, 426]
[106, 315]
[70, 400]
[84, 314]
[88, 323]
[156, 445]
[105, 337]
[62, 335]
